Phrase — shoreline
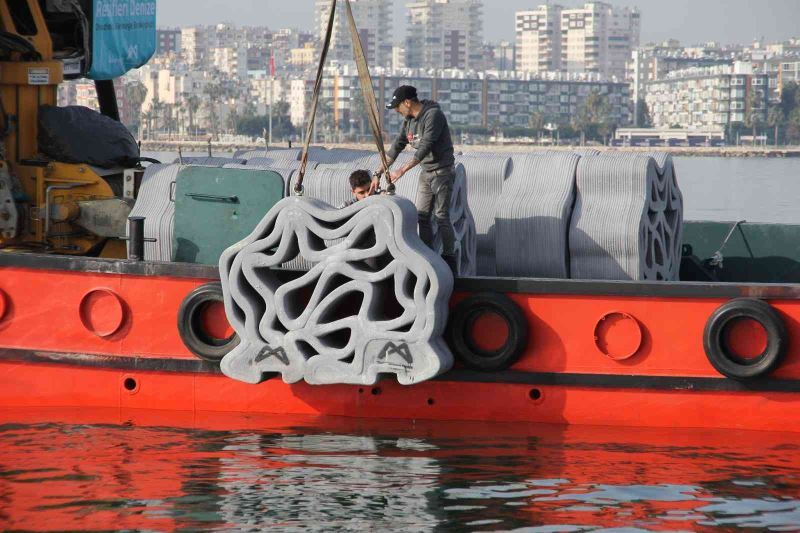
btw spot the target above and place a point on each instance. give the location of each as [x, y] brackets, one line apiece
[681, 151]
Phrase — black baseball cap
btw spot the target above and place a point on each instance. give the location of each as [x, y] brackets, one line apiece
[404, 92]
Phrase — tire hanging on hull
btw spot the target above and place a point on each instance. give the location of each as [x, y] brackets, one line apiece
[463, 343]
[191, 329]
[724, 359]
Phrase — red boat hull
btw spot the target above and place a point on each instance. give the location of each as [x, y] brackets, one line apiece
[93, 333]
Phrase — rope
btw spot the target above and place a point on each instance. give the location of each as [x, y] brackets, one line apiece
[298, 188]
[367, 89]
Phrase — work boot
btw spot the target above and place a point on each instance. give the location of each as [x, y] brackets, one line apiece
[452, 262]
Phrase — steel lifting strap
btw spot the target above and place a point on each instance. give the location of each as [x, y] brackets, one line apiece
[368, 91]
[298, 188]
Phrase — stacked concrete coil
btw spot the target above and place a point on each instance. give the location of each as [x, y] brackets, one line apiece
[209, 161]
[619, 228]
[673, 212]
[532, 217]
[513, 211]
[485, 175]
[156, 204]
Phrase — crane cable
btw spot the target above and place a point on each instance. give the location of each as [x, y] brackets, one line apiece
[367, 90]
[298, 188]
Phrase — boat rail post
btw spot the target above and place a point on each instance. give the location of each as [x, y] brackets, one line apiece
[136, 238]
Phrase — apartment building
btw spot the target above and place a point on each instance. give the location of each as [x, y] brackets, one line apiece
[781, 70]
[194, 45]
[230, 60]
[538, 39]
[443, 34]
[654, 62]
[374, 20]
[708, 97]
[488, 99]
[598, 38]
[168, 40]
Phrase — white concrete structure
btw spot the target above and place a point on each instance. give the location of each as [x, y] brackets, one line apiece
[598, 38]
[444, 34]
[375, 26]
[539, 39]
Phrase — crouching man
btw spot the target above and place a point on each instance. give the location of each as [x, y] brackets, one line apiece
[360, 187]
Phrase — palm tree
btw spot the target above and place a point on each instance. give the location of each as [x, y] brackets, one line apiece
[136, 94]
[536, 121]
[213, 92]
[192, 103]
[148, 120]
[595, 111]
[775, 119]
[753, 116]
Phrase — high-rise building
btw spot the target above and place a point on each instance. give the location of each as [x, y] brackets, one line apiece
[195, 45]
[374, 21]
[598, 38]
[445, 34]
[539, 39]
[168, 40]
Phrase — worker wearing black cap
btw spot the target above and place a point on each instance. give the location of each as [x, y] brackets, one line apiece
[425, 129]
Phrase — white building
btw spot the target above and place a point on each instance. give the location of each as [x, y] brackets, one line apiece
[375, 28]
[539, 39]
[654, 62]
[230, 60]
[598, 38]
[708, 97]
[445, 34]
[194, 44]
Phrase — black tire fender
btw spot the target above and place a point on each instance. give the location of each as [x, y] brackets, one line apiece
[462, 319]
[190, 328]
[728, 363]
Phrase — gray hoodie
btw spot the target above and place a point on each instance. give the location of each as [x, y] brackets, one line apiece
[429, 134]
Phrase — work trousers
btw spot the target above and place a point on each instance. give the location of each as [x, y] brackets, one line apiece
[433, 201]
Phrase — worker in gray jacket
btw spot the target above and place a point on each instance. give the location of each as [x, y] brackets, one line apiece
[425, 129]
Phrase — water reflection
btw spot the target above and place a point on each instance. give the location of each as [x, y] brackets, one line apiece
[161, 471]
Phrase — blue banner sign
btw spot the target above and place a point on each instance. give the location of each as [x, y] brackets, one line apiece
[124, 36]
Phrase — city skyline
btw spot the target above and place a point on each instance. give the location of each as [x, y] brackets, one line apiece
[685, 20]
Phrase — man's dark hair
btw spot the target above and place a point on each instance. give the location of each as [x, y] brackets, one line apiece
[360, 178]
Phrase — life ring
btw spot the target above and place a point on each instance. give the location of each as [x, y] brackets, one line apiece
[466, 348]
[729, 363]
[190, 324]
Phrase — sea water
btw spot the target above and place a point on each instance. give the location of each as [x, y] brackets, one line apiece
[111, 470]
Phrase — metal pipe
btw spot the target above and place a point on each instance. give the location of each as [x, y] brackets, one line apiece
[136, 238]
[107, 98]
[47, 201]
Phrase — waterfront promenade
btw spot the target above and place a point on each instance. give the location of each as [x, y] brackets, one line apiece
[219, 148]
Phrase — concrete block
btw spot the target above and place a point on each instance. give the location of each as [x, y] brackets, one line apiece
[533, 214]
[376, 303]
[621, 228]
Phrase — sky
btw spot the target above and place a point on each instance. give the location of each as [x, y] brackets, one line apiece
[690, 21]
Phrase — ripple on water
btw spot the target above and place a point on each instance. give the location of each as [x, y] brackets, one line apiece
[395, 476]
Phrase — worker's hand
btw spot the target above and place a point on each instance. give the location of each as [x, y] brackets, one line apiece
[375, 184]
[395, 175]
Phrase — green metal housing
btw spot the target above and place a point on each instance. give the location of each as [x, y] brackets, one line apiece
[759, 253]
[217, 207]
